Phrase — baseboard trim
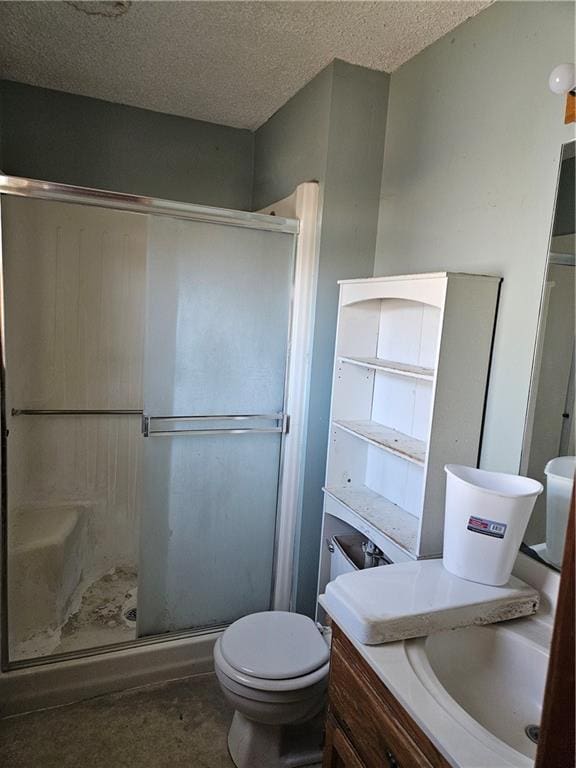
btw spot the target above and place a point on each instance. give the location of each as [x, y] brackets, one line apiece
[59, 683]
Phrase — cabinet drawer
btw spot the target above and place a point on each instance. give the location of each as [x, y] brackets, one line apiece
[381, 730]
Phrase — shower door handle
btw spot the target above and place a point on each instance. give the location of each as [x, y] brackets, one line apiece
[282, 424]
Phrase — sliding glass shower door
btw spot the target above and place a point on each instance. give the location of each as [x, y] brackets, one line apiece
[142, 416]
[216, 344]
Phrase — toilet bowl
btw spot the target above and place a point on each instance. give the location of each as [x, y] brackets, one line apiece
[273, 670]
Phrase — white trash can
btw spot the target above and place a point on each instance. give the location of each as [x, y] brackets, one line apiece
[486, 518]
[559, 481]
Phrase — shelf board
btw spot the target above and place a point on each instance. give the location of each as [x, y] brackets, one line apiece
[390, 366]
[409, 448]
[387, 518]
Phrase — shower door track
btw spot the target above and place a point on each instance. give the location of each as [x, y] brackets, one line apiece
[140, 642]
[64, 193]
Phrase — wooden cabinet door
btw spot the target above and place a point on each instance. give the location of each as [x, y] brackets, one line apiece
[378, 728]
[338, 751]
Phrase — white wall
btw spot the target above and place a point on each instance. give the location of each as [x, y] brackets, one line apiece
[473, 142]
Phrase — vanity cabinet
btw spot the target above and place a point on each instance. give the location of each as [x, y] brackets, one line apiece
[409, 389]
[366, 726]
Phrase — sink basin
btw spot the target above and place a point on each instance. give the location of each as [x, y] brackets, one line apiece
[494, 677]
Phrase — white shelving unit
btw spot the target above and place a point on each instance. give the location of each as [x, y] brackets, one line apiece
[410, 380]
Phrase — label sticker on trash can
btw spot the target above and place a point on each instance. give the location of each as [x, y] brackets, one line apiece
[487, 527]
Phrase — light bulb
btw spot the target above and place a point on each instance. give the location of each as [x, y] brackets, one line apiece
[563, 78]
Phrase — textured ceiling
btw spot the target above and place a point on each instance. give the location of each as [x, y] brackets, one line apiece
[234, 63]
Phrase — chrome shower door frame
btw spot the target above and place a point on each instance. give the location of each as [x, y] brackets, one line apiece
[56, 192]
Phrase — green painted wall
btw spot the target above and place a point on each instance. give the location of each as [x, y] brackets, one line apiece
[78, 140]
[473, 141]
[291, 147]
[332, 131]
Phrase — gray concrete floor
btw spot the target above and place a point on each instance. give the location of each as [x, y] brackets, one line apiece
[182, 724]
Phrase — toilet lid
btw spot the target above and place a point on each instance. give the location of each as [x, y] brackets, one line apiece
[274, 645]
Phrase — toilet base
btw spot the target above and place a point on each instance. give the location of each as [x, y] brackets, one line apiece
[258, 745]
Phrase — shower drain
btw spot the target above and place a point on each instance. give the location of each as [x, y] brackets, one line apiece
[532, 731]
[130, 615]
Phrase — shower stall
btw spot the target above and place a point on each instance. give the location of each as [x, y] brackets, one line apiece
[149, 476]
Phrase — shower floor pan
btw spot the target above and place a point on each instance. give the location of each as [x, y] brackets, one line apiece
[101, 617]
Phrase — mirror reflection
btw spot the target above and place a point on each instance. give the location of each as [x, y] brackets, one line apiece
[549, 441]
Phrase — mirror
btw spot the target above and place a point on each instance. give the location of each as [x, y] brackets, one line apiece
[549, 451]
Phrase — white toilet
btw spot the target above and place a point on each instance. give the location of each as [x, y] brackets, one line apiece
[273, 669]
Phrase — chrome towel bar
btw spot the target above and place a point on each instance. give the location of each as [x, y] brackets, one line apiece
[219, 417]
[207, 432]
[147, 422]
